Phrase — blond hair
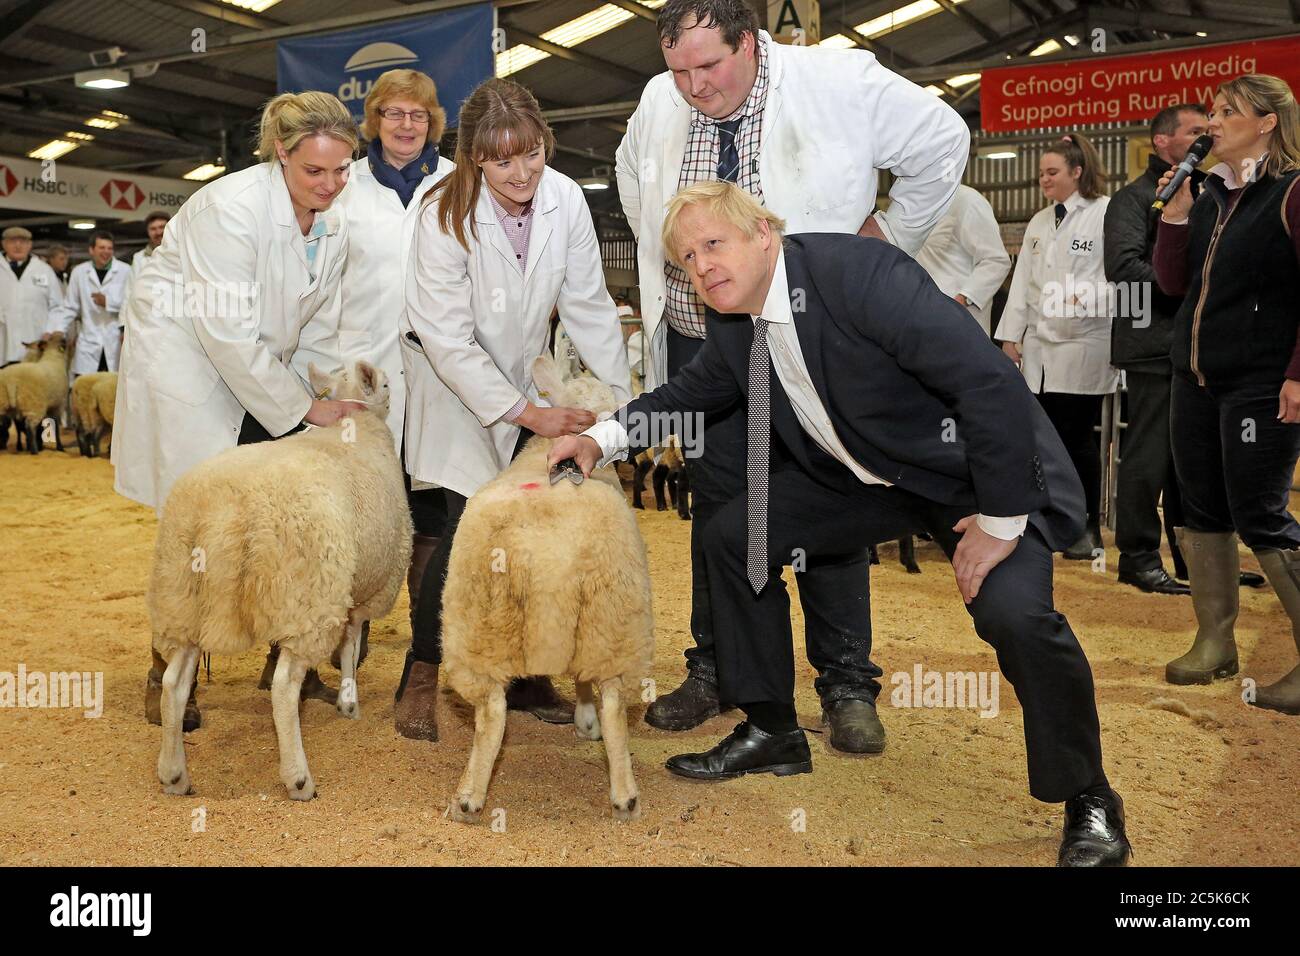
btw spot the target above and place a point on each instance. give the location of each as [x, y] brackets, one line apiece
[1265, 94]
[290, 117]
[404, 85]
[722, 200]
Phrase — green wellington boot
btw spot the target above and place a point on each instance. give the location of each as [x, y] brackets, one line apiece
[1214, 570]
[1283, 571]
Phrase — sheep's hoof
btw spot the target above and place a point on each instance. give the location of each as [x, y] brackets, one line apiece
[632, 811]
[462, 810]
[178, 785]
[351, 711]
[304, 788]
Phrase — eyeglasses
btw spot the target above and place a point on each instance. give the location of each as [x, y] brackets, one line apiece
[418, 117]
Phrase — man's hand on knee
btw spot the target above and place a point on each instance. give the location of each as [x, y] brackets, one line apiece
[977, 554]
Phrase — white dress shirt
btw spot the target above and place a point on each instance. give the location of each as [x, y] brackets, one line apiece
[792, 373]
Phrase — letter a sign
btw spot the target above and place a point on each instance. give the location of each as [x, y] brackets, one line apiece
[797, 22]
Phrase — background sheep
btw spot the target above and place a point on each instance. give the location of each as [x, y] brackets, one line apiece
[32, 392]
[669, 473]
[548, 579]
[295, 542]
[93, 400]
[33, 353]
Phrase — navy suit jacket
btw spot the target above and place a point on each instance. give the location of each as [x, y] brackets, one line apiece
[915, 389]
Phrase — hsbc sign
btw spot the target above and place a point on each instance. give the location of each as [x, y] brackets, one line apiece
[59, 188]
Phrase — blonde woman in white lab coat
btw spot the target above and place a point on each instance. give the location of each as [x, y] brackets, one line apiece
[1056, 324]
[499, 245]
[403, 125]
[225, 316]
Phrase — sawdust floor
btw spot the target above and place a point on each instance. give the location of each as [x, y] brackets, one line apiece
[1216, 787]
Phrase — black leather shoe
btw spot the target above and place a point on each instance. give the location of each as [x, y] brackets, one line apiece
[1082, 550]
[1249, 579]
[1094, 832]
[1154, 581]
[747, 750]
[537, 696]
[855, 726]
[690, 705]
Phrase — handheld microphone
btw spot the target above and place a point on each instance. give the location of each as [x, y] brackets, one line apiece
[1195, 153]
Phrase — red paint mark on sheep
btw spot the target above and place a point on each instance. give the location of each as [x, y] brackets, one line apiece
[530, 485]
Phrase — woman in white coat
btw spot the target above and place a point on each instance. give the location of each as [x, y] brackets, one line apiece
[242, 294]
[404, 123]
[1056, 324]
[499, 244]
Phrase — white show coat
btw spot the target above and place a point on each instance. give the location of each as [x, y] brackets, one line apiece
[224, 318]
[374, 283]
[482, 323]
[964, 254]
[101, 325]
[832, 118]
[25, 305]
[1059, 306]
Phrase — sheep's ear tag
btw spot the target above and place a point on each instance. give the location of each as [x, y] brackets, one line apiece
[566, 469]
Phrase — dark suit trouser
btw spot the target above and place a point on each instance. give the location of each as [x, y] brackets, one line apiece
[1146, 472]
[833, 590]
[1036, 650]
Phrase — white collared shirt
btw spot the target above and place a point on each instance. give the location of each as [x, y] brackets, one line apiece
[792, 373]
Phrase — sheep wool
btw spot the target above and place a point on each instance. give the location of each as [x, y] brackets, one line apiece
[296, 542]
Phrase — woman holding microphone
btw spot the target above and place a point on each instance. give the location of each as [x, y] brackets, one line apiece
[224, 318]
[404, 123]
[1056, 323]
[1235, 254]
[500, 243]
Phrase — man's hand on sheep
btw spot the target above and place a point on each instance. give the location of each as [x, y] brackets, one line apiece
[327, 411]
[581, 448]
[554, 422]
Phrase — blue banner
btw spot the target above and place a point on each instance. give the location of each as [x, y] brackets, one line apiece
[454, 47]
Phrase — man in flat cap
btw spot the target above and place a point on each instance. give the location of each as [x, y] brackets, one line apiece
[29, 291]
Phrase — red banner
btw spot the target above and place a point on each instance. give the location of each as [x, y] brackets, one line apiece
[1130, 88]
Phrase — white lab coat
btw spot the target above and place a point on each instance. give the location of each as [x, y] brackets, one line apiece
[380, 230]
[482, 324]
[964, 254]
[224, 319]
[100, 331]
[1059, 306]
[25, 305]
[832, 118]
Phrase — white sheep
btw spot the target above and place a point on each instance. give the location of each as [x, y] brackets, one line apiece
[548, 579]
[34, 392]
[32, 354]
[94, 399]
[296, 542]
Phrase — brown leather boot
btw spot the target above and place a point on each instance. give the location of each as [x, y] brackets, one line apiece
[537, 696]
[192, 719]
[415, 715]
[313, 688]
[1215, 575]
[422, 548]
[153, 691]
[1283, 570]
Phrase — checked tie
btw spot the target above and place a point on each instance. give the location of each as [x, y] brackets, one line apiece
[728, 154]
[756, 456]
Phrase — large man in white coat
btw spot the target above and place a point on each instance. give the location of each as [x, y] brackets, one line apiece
[29, 292]
[804, 130]
[96, 292]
